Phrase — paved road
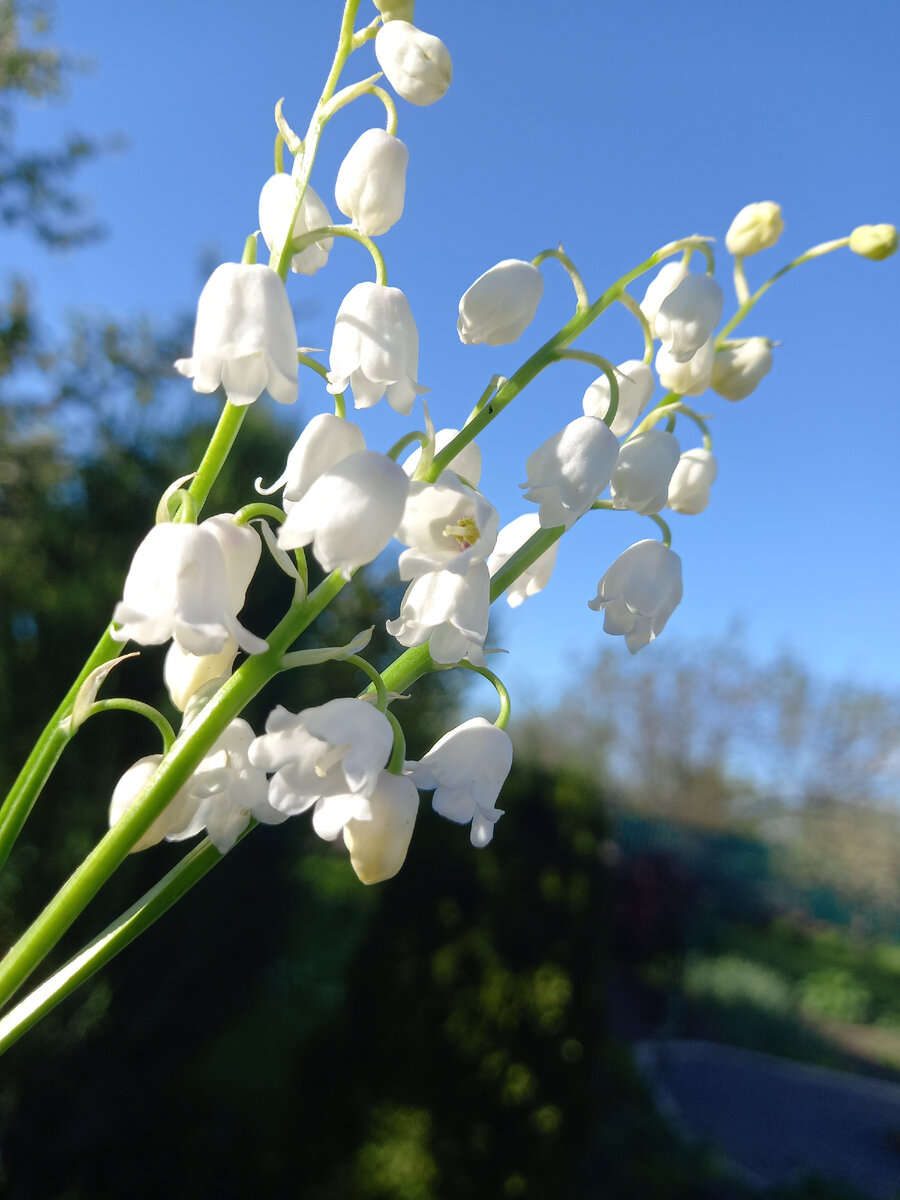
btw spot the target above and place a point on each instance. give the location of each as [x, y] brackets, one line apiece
[778, 1120]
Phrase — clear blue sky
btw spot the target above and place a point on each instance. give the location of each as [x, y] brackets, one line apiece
[609, 127]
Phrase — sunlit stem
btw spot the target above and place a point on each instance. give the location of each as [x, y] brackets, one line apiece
[366, 34]
[217, 451]
[748, 304]
[306, 360]
[381, 696]
[398, 753]
[582, 299]
[741, 287]
[638, 313]
[527, 554]
[664, 529]
[608, 370]
[347, 231]
[399, 446]
[248, 258]
[123, 704]
[669, 410]
[292, 140]
[503, 716]
[660, 410]
[496, 381]
[390, 108]
[279, 153]
[250, 512]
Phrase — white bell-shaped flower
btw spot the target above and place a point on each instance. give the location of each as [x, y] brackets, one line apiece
[756, 227]
[446, 525]
[689, 378]
[466, 465]
[417, 65]
[688, 315]
[350, 512]
[569, 471]
[178, 812]
[378, 836]
[636, 384]
[534, 578]
[665, 281]
[467, 768]
[691, 481]
[277, 201]
[448, 611]
[646, 463]
[875, 242]
[244, 336]
[371, 182]
[500, 304]
[639, 593]
[186, 674]
[375, 348]
[188, 582]
[738, 369]
[326, 441]
[327, 758]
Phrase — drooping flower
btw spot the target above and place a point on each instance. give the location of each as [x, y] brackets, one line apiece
[756, 227]
[689, 378]
[636, 384]
[326, 441]
[446, 525]
[639, 593]
[417, 65]
[688, 315]
[644, 469]
[188, 582]
[448, 611]
[876, 242]
[177, 813]
[500, 305]
[277, 201]
[534, 578]
[244, 337]
[466, 465]
[738, 369]
[467, 769]
[663, 283]
[371, 182]
[568, 472]
[379, 833]
[350, 512]
[375, 347]
[691, 481]
[186, 674]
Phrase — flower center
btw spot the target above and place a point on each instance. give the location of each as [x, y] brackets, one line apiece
[328, 758]
[465, 531]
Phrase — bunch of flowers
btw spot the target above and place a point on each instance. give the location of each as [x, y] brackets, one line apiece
[343, 502]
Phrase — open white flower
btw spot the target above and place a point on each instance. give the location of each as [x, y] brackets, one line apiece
[244, 336]
[467, 769]
[417, 65]
[691, 481]
[378, 836]
[568, 472]
[500, 305]
[688, 315]
[446, 525]
[534, 578]
[350, 512]
[371, 182]
[738, 369]
[448, 611]
[689, 378]
[645, 466]
[188, 582]
[636, 384]
[639, 593]
[326, 441]
[375, 348]
[277, 201]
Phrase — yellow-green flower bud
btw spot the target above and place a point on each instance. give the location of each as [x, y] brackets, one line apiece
[396, 10]
[756, 227]
[874, 241]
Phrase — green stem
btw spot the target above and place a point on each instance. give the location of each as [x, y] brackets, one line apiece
[398, 753]
[122, 704]
[505, 705]
[217, 451]
[317, 235]
[340, 405]
[638, 313]
[407, 440]
[666, 531]
[381, 695]
[527, 554]
[250, 512]
[596, 360]
[582, 299]
[495, 382]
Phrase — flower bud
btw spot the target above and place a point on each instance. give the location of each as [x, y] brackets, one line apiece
[379, 841]
[756, 227]
[738, 369]
[688, 315]
[569, 470]
[665, 281]
[693, 477]
[276, 203]
[500, 305]
[185, 674]
[176, 814]
[639, 593]
[371, 182]
[416, 64]
[636, 384]
[689, 378]
[643, 471]
[874, 241]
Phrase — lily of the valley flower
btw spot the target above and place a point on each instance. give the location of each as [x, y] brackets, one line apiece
[371, 182]
[188, 582]
[375, 347]
[186, 674]
[500, 305]
[639, 593]
[536, 577]
[446, 525]
[568, 472]
[417, 65]
[467, 769]
[756, 227]
[277, 201]
[350, 512]
[691, 481]
[244, 337]
[689, 378]
[448, 611]
[738, 369]
[378, 836]
[688, 315]
[636, 384]
[876, 242]
[644, 469]
[326, 441]
[666, 280]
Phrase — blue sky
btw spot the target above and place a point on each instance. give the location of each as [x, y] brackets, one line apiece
[611, 128]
